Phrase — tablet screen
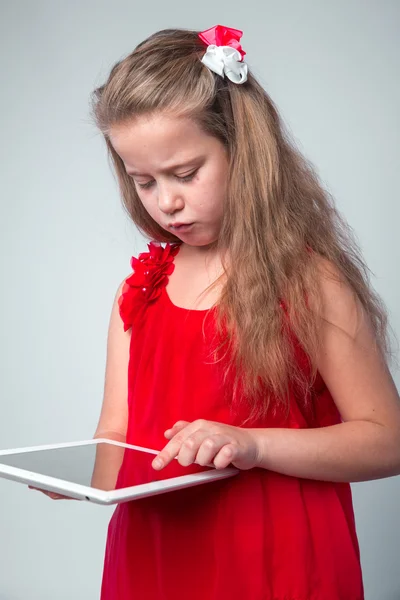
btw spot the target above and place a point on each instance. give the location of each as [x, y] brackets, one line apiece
[97, 465]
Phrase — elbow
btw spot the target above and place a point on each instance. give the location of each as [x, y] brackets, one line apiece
[390, 457]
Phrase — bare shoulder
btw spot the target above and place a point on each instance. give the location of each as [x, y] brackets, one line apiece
[117, 297]
[339, 303]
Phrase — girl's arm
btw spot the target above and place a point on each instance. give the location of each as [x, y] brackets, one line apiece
[113, 419]
[114, 412]
[367, 444]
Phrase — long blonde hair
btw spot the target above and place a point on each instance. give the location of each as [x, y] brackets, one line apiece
[277, 212]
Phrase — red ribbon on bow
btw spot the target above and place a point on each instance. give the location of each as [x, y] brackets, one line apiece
[223, 36]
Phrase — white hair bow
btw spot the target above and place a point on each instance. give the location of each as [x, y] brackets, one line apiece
[225, 60]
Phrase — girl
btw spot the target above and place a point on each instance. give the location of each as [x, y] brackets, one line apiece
[252, 337]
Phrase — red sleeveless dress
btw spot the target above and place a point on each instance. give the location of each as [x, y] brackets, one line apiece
[256, 536]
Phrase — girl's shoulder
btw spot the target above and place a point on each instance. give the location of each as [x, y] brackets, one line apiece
[150, 272]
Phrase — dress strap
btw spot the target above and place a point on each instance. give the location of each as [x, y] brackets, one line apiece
[150, 275]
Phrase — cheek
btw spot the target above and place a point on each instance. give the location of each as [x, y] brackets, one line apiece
[220, 181]
[147, 203]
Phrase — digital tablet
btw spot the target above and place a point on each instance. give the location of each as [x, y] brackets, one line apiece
[101, 470]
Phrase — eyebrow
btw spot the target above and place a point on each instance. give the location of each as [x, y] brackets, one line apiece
[187, 163]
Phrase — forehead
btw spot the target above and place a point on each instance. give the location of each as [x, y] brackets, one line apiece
[153, 142]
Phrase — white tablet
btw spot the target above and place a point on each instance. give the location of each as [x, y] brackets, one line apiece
[91, 470]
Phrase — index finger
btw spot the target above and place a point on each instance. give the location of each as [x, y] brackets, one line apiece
[171, 450]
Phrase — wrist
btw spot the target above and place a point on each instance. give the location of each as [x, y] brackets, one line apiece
[260, 440]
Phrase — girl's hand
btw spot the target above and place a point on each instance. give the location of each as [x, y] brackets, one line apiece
[52, 495]
[208, 443]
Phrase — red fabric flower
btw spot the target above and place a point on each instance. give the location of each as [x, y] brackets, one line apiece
[219, 35]
[150, 274]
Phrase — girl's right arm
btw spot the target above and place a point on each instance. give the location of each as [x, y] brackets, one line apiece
[114, 412]
[113, 419]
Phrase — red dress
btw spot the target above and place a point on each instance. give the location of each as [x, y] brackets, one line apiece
[256, 536]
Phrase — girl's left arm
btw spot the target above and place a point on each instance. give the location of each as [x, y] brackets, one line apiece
[366, 445]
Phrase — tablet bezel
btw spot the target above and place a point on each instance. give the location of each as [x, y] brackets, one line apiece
[81, 492]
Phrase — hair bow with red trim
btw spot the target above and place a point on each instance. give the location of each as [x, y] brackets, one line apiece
[224, 53]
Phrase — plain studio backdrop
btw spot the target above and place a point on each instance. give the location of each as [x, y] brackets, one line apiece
[333, 70]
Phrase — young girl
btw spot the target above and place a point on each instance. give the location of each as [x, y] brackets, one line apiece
[250, 337]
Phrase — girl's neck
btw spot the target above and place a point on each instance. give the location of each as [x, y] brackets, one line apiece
[196, 269]
[198, 253]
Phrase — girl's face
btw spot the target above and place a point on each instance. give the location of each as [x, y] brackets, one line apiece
[179, 173]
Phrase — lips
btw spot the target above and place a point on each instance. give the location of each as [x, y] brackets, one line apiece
[178, 226]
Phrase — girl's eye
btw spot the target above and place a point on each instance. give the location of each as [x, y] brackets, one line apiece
[188, 177]
[185, 179]
[145, 186]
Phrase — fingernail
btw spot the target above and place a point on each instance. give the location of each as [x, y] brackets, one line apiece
[157, 463]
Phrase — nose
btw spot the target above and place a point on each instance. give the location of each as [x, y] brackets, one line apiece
[170, 199]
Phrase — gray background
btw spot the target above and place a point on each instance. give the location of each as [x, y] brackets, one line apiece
[332, 68]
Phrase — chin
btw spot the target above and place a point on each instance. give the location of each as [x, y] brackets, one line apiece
[203, 244]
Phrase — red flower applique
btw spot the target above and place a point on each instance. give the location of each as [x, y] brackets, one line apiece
[150, 274]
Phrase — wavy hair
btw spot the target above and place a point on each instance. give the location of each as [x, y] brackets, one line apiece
[277, 215]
